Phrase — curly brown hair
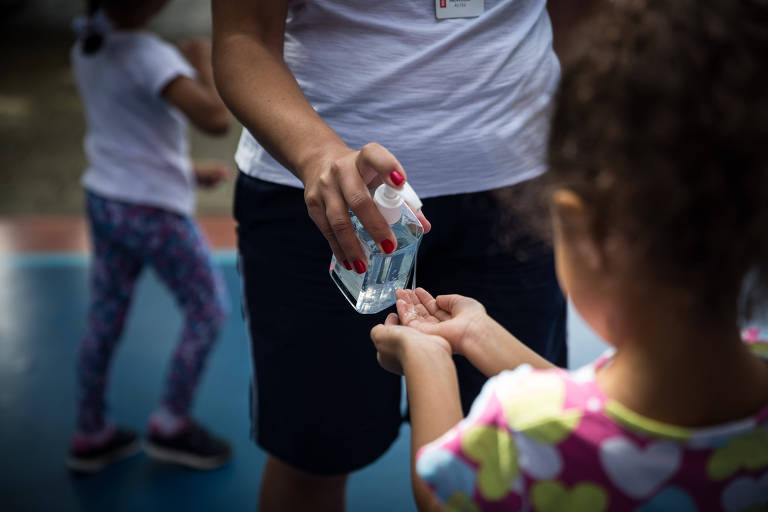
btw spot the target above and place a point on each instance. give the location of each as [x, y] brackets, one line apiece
[661, 125]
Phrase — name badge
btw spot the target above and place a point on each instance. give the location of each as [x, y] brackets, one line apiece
[458, 8]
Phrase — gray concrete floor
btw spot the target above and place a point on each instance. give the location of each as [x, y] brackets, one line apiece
[42, 126]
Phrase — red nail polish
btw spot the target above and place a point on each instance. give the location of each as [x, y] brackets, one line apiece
[396, 178]
[347, 265]
[359, 267]
[388, 246]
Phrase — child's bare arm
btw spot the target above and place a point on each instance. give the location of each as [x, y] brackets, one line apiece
[201, 105]
[433, 398]
[432, 386]
[198, 99]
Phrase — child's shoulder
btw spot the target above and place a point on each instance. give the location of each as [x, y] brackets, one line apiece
[549, 404]
[545, 404]
[757, 340]
[128, 48]
[140, 42]
[515, 429]
[146, 59]
[532, 435]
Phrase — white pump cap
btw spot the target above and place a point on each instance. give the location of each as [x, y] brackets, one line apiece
[389, 202]
[410, 197]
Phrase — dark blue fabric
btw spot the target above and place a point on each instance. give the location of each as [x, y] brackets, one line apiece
[321, 403]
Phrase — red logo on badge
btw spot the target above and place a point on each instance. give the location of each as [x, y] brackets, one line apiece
[442, 4]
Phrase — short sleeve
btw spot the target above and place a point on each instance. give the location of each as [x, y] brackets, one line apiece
[154, 63]
[756, 339]
[476, 462]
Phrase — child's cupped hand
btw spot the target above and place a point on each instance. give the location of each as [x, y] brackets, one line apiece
[456, 318]
[396, 343]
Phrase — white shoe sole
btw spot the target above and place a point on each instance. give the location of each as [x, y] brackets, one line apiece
[95, 465]
[182, 458]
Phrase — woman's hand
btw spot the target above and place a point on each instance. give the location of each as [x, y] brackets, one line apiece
[333, 186]
[456, 318]
[248, 56]
[396, 343]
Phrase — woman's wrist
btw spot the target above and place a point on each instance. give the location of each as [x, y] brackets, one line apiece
[320, 155]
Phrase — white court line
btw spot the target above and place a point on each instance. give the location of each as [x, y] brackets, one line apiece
[74, 259]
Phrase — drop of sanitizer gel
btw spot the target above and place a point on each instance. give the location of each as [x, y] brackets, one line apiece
[374, 290]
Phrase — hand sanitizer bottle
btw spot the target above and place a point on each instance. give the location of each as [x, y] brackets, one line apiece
[374, 290]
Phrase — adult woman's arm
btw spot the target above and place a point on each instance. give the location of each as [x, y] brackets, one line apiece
[261, 91]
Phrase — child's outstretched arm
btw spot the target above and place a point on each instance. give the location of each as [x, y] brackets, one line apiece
[463, 322]
[432, 386]
[198, 99]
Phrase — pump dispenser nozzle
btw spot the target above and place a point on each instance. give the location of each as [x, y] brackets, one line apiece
[390, 201]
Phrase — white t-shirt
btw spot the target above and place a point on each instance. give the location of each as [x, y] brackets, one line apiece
[463, 103]
[136, 142]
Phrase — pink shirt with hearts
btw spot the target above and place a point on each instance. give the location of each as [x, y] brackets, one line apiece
[552, 440]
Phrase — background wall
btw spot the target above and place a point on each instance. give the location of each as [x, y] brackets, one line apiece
[41, 119]
[180, 18]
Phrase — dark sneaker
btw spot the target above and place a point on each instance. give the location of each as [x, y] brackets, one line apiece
[85, 457]
[193, 447]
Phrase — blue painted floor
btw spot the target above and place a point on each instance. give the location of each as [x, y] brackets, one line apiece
[43, 301]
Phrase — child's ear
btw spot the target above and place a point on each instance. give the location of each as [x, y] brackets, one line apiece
[573, 223]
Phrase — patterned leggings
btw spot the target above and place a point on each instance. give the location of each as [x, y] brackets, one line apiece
[126, 237]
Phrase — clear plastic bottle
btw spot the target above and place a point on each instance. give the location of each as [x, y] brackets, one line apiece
[374, 290]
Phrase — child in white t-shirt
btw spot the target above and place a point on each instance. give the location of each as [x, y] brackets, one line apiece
[139, 92]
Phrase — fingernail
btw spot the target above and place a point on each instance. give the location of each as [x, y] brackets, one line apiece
[359, 267]
[388, 246]
[347, 265]
[396, 178]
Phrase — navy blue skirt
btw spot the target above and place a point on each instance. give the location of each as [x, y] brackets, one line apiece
[320, 402]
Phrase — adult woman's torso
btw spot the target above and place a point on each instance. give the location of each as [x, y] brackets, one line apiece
[463, 103]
